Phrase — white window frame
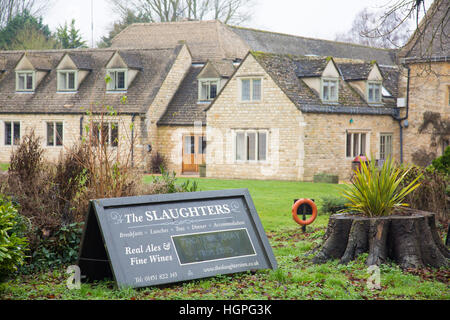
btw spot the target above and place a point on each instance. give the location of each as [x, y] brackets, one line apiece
[246, 156]
[352, 151]
[112, 85]
[110, 125]
[322, 89]
[33, 76]
[12, 132]
[378, 99]
[54, 122]
[66, 80]
[387, 153]
[251, 79]
[208, 82]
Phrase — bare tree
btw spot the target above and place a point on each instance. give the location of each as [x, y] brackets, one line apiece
[11, 8]
[374, 29]
[227, 11]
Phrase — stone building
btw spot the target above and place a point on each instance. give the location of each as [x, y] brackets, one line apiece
[248, 103]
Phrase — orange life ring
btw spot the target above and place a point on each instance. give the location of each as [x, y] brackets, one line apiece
[297, 204]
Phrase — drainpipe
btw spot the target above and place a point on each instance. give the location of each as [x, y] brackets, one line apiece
[132, 139]
[406, 115]
[81, 127]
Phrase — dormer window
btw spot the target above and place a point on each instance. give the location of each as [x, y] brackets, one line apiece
[118, 81]
[208, 89]
[67, 80]
[330, 90]
[25, 81]
[374, 92]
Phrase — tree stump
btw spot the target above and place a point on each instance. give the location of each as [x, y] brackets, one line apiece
[409, 237]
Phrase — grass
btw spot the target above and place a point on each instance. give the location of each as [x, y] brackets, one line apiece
[4, 166]
[296, 278]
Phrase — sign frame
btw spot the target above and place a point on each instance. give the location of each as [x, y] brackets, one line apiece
[98, 258]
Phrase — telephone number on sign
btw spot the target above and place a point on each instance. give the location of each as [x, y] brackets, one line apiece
[155, 277]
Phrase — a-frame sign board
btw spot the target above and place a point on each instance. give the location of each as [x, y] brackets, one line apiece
[157, 239]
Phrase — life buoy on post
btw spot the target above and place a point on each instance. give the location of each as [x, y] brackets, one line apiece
[297, 204]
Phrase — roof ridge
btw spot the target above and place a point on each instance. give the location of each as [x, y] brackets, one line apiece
[84, 50]
[310, 38]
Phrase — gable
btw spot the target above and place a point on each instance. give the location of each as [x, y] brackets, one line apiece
[375, 74]
[24, 64]
[66, 64]
[116, 62]
[330, 70]
[208, 72]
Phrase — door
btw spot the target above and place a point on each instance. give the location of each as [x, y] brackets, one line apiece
[194, 150]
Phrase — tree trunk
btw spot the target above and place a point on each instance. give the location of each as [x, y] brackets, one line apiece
[409, 238]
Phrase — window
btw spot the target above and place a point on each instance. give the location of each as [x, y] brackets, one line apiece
[25, 81]
[374, 92]
[12, 133]
[385, 146]
[67, 80]
[208, 89]
[356, 144]
[106, 133]
[118, 80]
[251, 89]
[330, 90]
[251, 145]
[54, 134]
[202, 145]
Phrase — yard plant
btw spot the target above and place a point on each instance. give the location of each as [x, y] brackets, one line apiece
[377, 192]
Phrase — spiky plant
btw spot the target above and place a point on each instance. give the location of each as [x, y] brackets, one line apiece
[375, 191]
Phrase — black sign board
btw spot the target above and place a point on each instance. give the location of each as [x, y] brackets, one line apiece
[158, 239]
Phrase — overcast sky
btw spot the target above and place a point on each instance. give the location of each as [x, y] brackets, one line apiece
[309, 18]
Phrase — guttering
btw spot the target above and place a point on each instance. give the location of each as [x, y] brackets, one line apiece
[132, 139]
[400, 119]
[81, 127]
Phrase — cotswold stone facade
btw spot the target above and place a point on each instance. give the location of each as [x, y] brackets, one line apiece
[299, 144]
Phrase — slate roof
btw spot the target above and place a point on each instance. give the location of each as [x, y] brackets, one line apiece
[284, 71]
[355, 71]
[156, 63]
[224, 67]
[184, 108]
[272, 42]
[83, 61]
[431, 40]
[205, 39]
[310, 67]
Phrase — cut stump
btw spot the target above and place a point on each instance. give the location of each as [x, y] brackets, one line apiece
[409, 238]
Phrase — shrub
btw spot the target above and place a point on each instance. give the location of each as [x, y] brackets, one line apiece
[431, 194]
[333, 204]
[158, 161]
[166, 183]
[442, 163]
[12, 242]
[375, 191]
[326, 178]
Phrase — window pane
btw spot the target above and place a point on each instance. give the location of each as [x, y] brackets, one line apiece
[50, 132]
[121, 80]
[59, 133]
[262, 146]
[363, 144]
[114, 134]
[245, 90]
[240, 146]
[326, 93]
[383, 147]
[62, 81]
[251, 146]
[29, 81]
[355, 144]
[104, 133]
[202, 145]
[71, 81]
[333, 90]
[112, 82]
[349, 145]
[256, 89]
[371, 93]
[95, 133]
[21, 82]
[377, 96]
[8, 133]
[16, 134]
[212, 90]
[204, 91]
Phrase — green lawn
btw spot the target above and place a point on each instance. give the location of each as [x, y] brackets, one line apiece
[296, 277]
[273, 199]
[4, 166]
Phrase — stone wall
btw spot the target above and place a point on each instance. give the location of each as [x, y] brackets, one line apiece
[429, 89]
